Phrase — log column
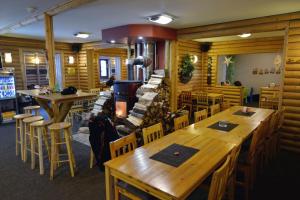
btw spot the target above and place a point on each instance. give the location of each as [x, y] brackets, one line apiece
[50, 48]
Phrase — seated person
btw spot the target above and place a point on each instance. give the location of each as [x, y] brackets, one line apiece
[111, 80]
[237, 83]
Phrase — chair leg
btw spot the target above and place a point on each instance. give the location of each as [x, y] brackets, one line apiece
[46, 141]
[53, 156]
[231, 187]
[17, 137]
[91, 158]
[22, 139]
[32, 146]
[40, 151]
[116, 189]
[25, 143]
[68, 143]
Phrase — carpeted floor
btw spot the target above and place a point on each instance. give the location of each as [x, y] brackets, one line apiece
[280, 181]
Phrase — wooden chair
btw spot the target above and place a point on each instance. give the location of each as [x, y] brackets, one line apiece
[247, 161]
[32, 110]
[181, 122]
[152, 133]
[39, 134]
[218, 183]
[226, 104]
[28, 133]
[200, 115]
[202, 101]
[118, 148]
[122, 145]
[186, 100]
[20, 133]
[55, 131]
[214, 109]
[231, 174]
[278, 127]
[232, 171]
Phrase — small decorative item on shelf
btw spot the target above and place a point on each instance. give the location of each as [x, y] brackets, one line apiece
[209, 70]
[186, 69]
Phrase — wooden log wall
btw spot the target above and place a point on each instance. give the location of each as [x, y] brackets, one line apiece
[88, 64]
[17, 46]
[290, 133]
[192, 48]
[233, 94]
[246, 46]
[267, 92]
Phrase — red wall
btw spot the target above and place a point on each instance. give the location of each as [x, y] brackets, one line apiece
[160, 45]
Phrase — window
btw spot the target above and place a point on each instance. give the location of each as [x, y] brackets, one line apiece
[104, 73]
[35, 69]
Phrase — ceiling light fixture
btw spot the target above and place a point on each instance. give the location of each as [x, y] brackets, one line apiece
[245, 35]
[82, 35]
[7, 58]
[140, 38]
[113, 41]
[161, 19]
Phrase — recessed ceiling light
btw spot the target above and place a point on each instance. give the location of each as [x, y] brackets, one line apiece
[140, 38]
[82, 35]
[161, 19]
[245, 35]
[113, 41]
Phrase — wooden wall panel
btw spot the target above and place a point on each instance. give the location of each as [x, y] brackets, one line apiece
[191, 48]
[246, 46]
[290, 133]
[17, 45]
[94, 65]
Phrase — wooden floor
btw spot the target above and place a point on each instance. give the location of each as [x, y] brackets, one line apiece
[19, 182]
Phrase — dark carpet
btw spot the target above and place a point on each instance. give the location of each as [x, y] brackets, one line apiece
[280, 180]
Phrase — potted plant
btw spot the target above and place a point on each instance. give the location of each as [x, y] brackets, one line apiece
[186, 69]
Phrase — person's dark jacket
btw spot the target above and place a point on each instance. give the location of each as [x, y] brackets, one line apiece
[102, 132]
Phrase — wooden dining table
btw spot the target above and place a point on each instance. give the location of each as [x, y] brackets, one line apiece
[211, 96]
[167, 182]
[56, 105]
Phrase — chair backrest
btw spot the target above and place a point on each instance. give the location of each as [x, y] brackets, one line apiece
[226, 104]
[181, 122]
[186, 97]
[200, 115]
[95, 91]
[257, 139]
[152, 133]
[219, 181]
[122, 145]
[214, 109]
[202, 98]
[234, 158]
[274, 121]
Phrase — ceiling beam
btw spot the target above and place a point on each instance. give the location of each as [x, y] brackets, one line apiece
[59, 8]
[261, 24]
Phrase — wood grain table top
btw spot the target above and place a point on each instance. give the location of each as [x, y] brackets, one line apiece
[57, 97]
[177, 183]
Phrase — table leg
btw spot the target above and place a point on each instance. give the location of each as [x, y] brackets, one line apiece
[44, 104]
[109, 184]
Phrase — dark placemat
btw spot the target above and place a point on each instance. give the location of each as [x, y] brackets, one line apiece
[246, 114]
[168, 157]
[228, 128]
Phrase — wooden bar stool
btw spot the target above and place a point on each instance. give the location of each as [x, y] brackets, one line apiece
[38, 134]
[55, 130]
[27, 133]
[32, 109]
[20, 133]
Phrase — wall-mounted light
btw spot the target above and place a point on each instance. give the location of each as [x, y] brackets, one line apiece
[245, 35]
[7, 58]
[161, 19]
[140, 38]
[36, 60]
[71, 60]
[113, 41]
[194, 59]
